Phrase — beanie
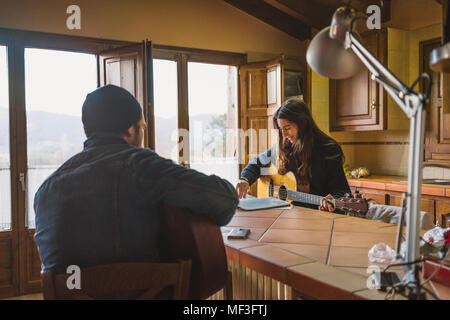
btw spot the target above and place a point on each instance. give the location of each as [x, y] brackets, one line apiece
[110, 109]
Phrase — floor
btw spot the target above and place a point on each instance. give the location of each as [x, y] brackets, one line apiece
[34, 296]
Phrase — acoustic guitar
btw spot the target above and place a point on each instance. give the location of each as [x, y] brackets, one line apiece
[284, 187]
[189, 236]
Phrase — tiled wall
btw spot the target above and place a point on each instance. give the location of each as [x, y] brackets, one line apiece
[436, 173]
[383, 152]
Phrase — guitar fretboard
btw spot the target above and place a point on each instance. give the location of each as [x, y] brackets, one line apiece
[298, 196]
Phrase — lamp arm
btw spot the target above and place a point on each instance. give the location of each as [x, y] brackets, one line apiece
[408, 100]
[372, 62]
[413, 104]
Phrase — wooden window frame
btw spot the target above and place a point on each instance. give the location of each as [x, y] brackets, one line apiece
[24, 281]
[182, 56]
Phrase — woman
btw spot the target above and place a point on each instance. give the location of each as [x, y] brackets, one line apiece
[315, 159]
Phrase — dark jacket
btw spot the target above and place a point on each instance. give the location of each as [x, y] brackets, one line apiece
[328, 175]
[101, 205]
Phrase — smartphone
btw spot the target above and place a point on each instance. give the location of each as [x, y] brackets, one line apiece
[238, 233]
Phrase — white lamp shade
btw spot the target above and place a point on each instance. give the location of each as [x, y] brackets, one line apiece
[329, 58]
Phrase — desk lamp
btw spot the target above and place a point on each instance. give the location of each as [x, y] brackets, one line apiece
[337, 53]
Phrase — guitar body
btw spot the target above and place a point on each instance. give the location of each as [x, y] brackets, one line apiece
[265, 183]
[191, 236]
[284, 187]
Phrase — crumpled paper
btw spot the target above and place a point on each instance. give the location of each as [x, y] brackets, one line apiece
[382, 253]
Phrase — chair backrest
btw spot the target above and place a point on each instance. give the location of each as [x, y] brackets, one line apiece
[140, 280]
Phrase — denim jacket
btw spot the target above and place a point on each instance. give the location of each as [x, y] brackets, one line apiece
[101, 205]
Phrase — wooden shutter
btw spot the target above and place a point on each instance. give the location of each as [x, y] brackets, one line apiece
[261, 94]
[130, 67]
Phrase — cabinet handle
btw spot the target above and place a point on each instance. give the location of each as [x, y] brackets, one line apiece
[373, 104]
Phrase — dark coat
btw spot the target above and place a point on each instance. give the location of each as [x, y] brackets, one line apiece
[102, 205]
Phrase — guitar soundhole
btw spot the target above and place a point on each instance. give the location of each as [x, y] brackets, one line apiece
[282, 193]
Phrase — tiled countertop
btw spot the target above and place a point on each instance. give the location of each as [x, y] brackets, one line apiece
[394, 183]
[319, 254]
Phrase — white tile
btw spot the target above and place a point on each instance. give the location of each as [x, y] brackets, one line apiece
[446, 173]
[433, 173]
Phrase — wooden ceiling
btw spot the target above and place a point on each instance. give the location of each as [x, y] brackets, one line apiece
[298, 17]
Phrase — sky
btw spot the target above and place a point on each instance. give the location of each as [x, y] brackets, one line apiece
[58, 81]
[3, 79]
[207, 88]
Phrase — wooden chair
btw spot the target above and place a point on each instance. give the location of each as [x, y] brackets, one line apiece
[140, 281]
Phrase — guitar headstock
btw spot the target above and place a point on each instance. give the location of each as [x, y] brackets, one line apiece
[353, 206]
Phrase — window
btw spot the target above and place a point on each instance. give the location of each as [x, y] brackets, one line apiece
[197, 90]
[56, 84]
[166, 108]
[213, 119]
[5, 169]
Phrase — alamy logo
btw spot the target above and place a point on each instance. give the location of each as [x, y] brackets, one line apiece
[74, 20]
[374, 20]
[74, 280]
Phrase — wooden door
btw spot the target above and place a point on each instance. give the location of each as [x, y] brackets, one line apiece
[261, 94]
[9, 178]
[359, 103]
[437, 138]
[130, 67]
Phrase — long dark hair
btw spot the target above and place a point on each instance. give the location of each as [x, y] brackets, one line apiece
[297, 156]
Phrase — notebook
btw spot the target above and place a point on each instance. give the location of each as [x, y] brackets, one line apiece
[261, 203]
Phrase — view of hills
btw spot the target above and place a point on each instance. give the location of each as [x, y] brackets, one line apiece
[53, 138]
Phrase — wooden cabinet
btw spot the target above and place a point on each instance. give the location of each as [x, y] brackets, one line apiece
[359, 103]
[443, 212]
[374, 195]
[437, 139]
[437, 206]
[428, 204]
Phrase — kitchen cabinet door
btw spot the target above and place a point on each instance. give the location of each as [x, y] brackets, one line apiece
[428, 205]
[442, 212]
[373, 195]
[359, 103]
[437, 138]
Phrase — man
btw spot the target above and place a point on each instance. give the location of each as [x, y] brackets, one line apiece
[101, 205]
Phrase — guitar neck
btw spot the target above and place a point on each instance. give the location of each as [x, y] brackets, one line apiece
[301, 196]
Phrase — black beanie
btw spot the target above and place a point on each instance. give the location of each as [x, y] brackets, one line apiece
[110, 109]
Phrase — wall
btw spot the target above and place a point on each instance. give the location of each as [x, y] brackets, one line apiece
[205, 24]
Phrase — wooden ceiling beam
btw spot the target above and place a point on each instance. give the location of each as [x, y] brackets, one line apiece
[361, 6]
[274, 17]
[316, 15]
[319, 14]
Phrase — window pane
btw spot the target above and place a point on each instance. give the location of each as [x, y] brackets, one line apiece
[166, 108]
[5, 175]
[213, 119]
[56, 84]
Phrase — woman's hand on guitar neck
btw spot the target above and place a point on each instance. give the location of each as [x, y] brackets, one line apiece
[242, 188]
[325, 206]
